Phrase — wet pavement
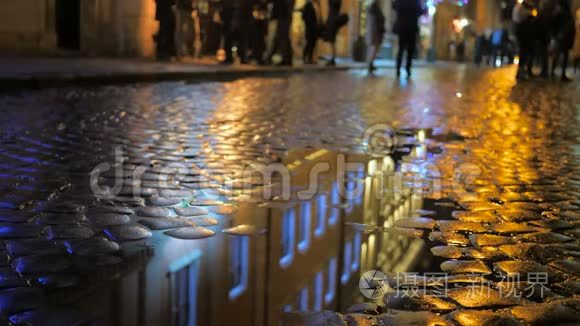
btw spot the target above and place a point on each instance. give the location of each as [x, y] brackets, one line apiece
[90, 176]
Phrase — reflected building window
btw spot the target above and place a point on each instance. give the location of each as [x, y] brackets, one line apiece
[334, 202]
[360, 176]
[321, 210]
[356, 251]
[183, 278]
[318, 290]
[303, 299]
[304, 228]
[239, 265]
[331, 281]
[346, 262]
[287, 237]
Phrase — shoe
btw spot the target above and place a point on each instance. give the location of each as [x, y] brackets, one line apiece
[227, 62]
[398, 73]
[372, 68]
[408, 73]
[565, 79]
[331, 63]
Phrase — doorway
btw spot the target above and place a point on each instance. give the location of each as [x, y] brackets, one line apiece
[68, 25]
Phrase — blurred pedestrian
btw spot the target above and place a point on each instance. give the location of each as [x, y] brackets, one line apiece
[310, 18]
[165, 36]
[542, 31]
[282, 13]
[259, 30]
[334, 22]
[521, 17]
[407, 27]
[564, 34]
[375, 31]
[227, 19]
[184, 29]
[242, 27]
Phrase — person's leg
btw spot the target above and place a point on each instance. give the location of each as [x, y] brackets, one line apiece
[286, 43]
[522, 51]
[402, 47]
[308, 50]
[565, 57]
[411, 44]
[543, 53]
[555, 60]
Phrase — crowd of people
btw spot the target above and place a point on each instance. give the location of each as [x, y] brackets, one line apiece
[543, 28]
[244, 27]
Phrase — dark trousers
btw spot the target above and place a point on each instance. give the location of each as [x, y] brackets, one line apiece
[258, 39]
[165, 40]
[308, 54]
[524, 45]
[227, 32]
[407, 43]
[282, 40]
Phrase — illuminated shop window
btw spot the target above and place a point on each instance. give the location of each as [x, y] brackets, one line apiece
[287, 237]
[331, 281]
[321, 210]
[304, 227]
[239, 267]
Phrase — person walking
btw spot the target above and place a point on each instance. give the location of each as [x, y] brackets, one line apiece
[522, 19]
[184, 29]
[334, 22]
[564, 34]
[375, 31]
[407, 27]
[310, 19]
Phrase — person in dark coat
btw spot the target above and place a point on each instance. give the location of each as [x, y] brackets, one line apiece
[564, 34]
[310, 19]
[407, 27]
[165, 37]
[334, 22]
[259, 30]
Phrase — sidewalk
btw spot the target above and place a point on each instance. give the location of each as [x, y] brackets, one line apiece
[17, 73]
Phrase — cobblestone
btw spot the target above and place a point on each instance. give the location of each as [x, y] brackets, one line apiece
[518, 215]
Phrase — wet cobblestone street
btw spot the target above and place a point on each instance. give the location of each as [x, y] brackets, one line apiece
[89, 177]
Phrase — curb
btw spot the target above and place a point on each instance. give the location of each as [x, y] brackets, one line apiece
[55, 81]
